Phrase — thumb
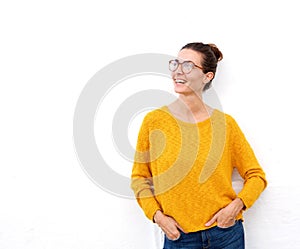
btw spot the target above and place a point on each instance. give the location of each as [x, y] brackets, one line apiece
[212, 221]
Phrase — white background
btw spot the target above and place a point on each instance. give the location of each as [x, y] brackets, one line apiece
[48, 52]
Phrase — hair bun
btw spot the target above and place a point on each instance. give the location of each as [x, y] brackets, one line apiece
[216, 51]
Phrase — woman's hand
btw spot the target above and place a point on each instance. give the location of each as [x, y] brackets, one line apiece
[168, 225]
[226, 216]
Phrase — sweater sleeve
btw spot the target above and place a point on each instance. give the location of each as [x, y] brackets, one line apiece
[141, 177]
[245, 161]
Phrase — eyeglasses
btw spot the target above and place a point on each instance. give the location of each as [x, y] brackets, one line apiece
[186, 66]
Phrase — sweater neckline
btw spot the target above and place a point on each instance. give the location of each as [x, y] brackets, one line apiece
[182, 122]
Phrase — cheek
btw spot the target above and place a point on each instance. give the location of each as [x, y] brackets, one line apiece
[195, 78]
[196, 83]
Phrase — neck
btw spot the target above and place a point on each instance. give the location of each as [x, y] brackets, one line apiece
[194, 103]
[190, 108]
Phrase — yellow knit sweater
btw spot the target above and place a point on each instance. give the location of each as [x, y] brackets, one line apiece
[185, 169]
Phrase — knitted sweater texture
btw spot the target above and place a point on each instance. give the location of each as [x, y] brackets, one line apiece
[185, 169]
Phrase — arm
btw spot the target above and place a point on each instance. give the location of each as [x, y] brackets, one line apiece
[245, 161]
[141, 177]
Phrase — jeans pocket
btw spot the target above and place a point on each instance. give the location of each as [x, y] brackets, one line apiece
[229, 235]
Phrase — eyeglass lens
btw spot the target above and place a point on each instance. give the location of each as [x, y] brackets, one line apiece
[186, 66]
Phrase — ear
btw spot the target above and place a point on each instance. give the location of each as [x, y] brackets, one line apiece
[209, 76]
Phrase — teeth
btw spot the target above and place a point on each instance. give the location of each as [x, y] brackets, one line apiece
[180, 81]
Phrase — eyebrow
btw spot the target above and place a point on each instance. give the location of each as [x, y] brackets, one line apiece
[183, 60]
[195, 64]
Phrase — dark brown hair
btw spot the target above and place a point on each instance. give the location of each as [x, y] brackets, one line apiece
[211, 56]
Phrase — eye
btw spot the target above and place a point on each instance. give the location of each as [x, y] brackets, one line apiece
[173, 64]
[188, 66]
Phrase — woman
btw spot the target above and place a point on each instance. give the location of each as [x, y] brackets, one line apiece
[185, 156]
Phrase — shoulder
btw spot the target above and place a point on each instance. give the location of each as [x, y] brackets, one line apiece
[229, 120]
[156, 115]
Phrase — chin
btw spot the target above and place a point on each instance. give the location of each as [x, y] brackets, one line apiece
[180, 88]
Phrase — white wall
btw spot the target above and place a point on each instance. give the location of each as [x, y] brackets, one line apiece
[49, 51]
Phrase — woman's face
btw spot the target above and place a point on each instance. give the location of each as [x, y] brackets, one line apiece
[193, 81]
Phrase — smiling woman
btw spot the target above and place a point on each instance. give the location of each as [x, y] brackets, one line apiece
[185, 156]
[211, 56]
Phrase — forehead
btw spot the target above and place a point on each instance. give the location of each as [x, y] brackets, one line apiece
[190, 55]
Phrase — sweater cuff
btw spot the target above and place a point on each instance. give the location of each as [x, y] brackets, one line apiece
[148, 203]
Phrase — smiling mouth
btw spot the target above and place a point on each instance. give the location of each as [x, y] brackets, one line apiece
[180, 81]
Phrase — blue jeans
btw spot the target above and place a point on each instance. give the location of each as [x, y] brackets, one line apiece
[213, 238]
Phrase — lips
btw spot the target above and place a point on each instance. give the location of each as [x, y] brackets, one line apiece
[180, 81]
